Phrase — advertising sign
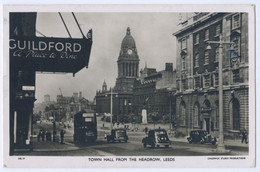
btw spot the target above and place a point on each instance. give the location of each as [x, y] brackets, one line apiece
[51, 54]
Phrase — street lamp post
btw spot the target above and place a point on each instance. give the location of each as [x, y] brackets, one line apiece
[111, 107]
[221, 146]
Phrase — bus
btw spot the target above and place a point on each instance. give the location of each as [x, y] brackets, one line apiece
[85, 127]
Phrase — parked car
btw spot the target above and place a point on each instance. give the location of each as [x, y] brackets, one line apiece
[118, 134]
[156, 138]
[201, 136]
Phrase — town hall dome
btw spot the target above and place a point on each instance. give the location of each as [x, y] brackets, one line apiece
[128, 41]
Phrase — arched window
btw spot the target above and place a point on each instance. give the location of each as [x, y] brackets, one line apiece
[196, 117]
[182, 113]
[236, 114]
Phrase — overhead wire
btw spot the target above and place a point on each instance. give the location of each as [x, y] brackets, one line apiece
[78, 24]
[64, 24]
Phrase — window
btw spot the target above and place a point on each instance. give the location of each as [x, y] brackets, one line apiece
[236, 77]
[196, 115]
[183, 63]
[197, 58]
[206, 81]
[207, 35]
[206, 57]
[197, 82]
[236, 45]
[184, 84]
[216, 79]
[182, 114]
[217, 30]
[216, 54]
[235, 22]
[236, 114]
[197, 39]
[184, 44]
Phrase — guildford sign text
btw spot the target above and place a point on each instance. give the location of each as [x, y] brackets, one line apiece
[51, 54]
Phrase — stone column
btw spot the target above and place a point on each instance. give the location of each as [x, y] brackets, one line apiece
[123, 69]
[134, 69]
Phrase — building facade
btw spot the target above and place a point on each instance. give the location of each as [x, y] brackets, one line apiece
[154, 91]
[197, 72]
[122, 93]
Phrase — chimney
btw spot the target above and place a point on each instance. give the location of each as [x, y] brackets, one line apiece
[80, 94]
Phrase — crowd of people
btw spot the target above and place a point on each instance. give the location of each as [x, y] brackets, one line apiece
[42, 135]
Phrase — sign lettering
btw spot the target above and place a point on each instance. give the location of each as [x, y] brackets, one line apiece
[51, 54]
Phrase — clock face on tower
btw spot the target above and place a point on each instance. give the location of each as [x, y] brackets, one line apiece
[129, 51]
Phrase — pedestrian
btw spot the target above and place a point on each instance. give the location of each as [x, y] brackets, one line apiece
[62, 132]
[145, 130]
[54, 136]
[244, 136]
[48, 136]
[39, 135]
[54, 125]
[43, 135]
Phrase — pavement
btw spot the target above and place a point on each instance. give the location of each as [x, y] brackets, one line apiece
[49, 146]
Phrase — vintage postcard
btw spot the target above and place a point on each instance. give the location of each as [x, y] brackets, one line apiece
[129, 86]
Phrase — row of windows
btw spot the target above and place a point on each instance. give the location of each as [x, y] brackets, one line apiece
[235, 25]
[217, 33]
[197, 59]
[208, 80]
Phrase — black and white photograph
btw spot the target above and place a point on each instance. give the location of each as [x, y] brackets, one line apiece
[128, 85]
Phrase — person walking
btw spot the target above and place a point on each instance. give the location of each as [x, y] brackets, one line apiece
[244, 136]
[146, 130]
[42, 135]
[54, 136]
[39, 135]
[62, 132]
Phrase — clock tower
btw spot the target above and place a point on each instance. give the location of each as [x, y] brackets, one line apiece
[128, 64]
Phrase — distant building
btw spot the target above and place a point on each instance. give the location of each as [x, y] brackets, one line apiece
[155, 93]
[197, 73]
[128, 69]
[47, 98]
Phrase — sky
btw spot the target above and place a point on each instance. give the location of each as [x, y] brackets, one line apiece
[153, 37]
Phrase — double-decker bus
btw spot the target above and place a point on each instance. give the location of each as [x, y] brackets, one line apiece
[85, 127]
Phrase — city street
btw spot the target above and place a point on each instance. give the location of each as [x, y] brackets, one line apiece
[134, 147]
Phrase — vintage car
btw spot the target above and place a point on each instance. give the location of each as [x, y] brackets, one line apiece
[118, 134]
[156, 138]
[201, 136]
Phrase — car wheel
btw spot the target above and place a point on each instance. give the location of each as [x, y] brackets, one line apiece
[213, 143]
[144, 145]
